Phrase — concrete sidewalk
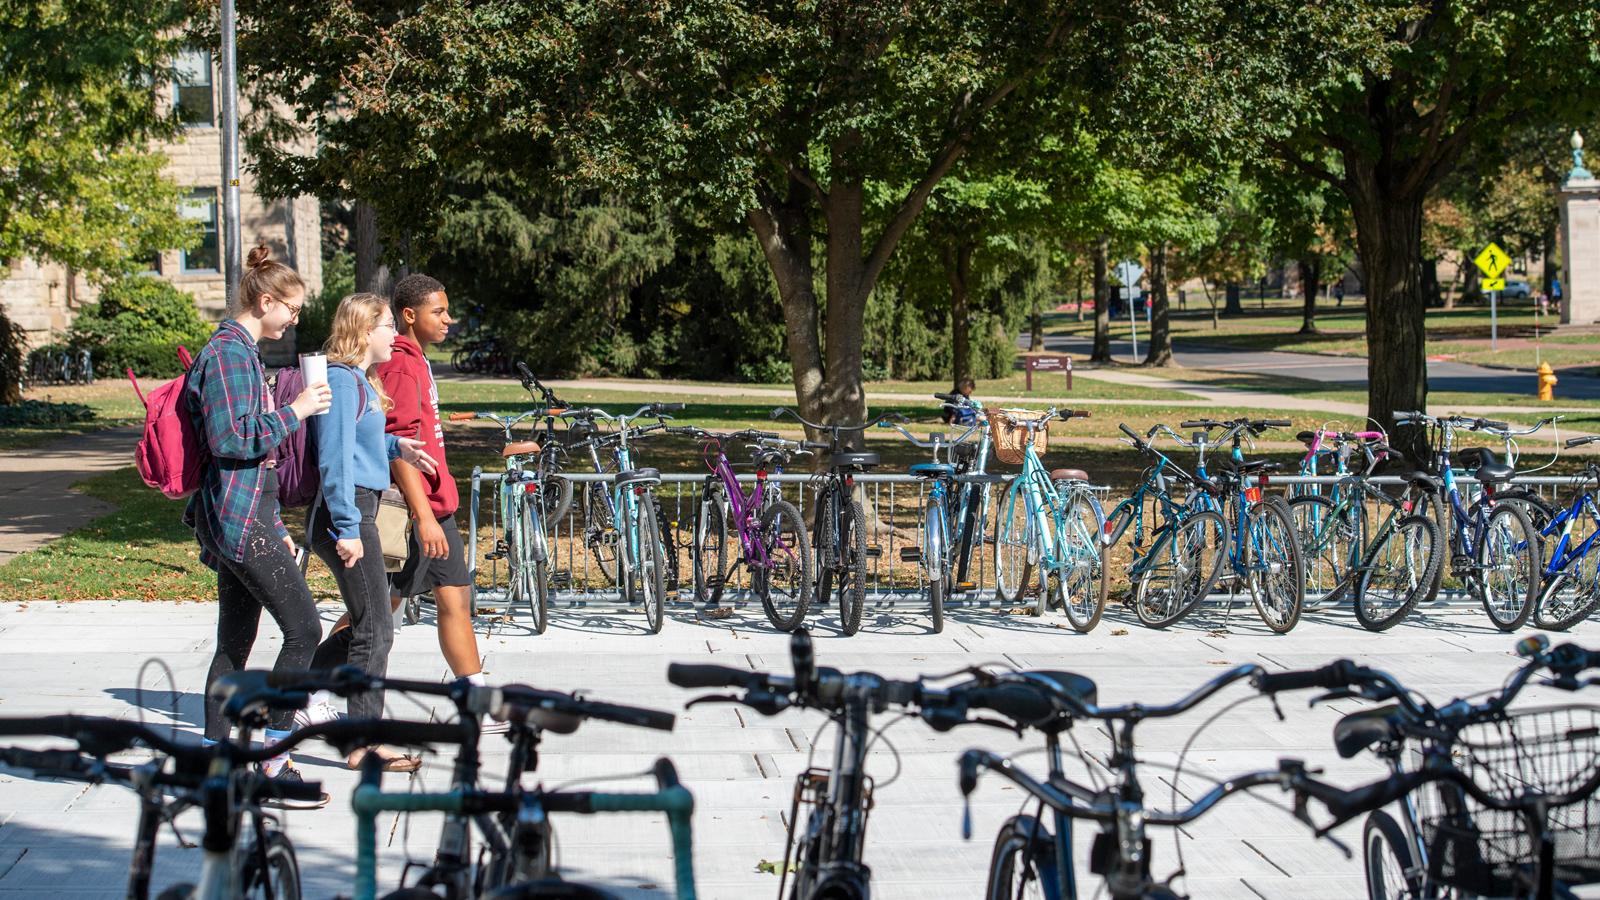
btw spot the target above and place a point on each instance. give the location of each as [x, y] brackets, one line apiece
[69, 840]
[37, 503]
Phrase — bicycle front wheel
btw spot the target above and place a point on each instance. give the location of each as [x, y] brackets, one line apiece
[1084, 577]
[936, 563]
[710, 549]
[1573, 593]
[651, 568]
[1399, 571]
[600, 531]
[1013, 544]
[852, 566]
[533, 570]
[271, 870]
[1273, 557]
[1330, 540]
[1180, 568]
[1387, 862]
[784, 581]
[1023, 864]
[1507, 568]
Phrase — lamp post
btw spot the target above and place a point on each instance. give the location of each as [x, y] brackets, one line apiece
[231, 250]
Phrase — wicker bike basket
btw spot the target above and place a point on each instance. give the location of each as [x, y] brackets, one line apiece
[1009, 437]
[1553, 750]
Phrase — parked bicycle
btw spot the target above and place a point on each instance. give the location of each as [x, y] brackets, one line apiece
[1493, 801]
[840, 535]
[1387, 569]
[1050, 520]
[772, 543]
[480, 356]
[951, 508]
[1494, 551]
[1569, 589]
[59, 364]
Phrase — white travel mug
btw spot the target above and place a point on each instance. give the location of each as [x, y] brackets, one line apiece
[314, 368]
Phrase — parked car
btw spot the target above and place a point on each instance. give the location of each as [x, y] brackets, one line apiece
[1516, 289]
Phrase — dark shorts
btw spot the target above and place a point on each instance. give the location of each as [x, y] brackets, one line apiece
[422, 573]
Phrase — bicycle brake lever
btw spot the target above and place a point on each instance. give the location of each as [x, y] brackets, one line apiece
[1340, 694]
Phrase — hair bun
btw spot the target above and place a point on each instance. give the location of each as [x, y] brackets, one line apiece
[260, 256]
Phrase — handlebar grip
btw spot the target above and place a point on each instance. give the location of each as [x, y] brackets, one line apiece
[707, 675]
[462, 417]
[277, 789]
[1493, 423]
[948, 398]
[1276, 423]
[1407, 414]
[1128, 431]
[1337, 674]
[805, 660]
[1074, 414]
[666, 773]
[637, 716]
[1025, 704]
[527, 375]
[815, 445]
[1196, 423]
[1580, 441]
[767, 435]
[668, 407]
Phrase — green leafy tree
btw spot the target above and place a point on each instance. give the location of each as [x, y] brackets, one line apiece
[1306, 221]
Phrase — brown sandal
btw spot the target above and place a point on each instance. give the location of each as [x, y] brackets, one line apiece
[400, 763]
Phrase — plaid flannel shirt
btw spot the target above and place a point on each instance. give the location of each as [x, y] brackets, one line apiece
[226, 392]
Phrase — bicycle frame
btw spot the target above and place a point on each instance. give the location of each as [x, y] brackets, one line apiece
[743, 508]
[836, 829]
[1242, 502]
[1564, 554]
[1046, 512]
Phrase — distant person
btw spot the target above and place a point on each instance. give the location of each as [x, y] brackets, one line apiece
[1338, 293]
[234, 513]
[965, 416]
[1555, 291]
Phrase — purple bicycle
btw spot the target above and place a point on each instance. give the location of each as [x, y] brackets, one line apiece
[772, 537]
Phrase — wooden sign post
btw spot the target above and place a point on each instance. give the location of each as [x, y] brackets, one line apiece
[1049, 363]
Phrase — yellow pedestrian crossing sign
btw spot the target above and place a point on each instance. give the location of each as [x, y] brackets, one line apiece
[1491, 262]
[1494, 284]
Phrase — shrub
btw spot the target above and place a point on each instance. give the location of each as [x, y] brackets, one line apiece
[43, 414]
[13, 341]
[139, 322]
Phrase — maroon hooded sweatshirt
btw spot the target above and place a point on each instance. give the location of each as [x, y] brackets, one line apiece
[408, 380]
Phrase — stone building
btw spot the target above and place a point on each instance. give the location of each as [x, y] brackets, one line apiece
[43, 297]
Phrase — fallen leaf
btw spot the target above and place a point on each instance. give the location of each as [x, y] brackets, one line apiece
[1218, 662]
[1118, 632]
[1217, 633]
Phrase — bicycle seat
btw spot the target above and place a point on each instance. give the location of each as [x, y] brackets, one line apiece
[641, 477]
[1360, 730]
[519, 448]
[931, 470]
[1485, 465]
[966, 452]
[1068, 475]
[1306, 437]
[1079, 687]
[1255, 465]
[1425, 481]
[855, 460]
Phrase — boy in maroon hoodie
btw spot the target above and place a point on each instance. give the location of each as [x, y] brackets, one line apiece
[437, 561]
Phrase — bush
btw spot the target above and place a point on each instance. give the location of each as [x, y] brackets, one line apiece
[43, 414]
[139, 323]
[13, 340]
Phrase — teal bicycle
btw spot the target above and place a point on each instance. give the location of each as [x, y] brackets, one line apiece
[1050, 519]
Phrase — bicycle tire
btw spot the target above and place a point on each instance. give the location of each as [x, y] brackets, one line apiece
[936, 564]
[555, 498]
[710, 555]
[458, 360]
[1539, 512]
[283, 870]
[600, 532]
[1327, 536]
[1279, 589]
[782, 521]
[1191, 577]
[1386, 859]
[1509, 617]
[1370, 615]
[1558, 611]
[652, 568]
[1013, 546]
[1023, 852]
[530, 575]
[852, 586]
[1081, 529]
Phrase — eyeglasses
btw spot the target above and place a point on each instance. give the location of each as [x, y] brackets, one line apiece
[294, 311]
[389, 325]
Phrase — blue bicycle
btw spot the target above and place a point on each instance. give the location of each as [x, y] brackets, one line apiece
[1571, 577]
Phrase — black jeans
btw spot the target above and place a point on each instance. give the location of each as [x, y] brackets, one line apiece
[267, 578]
[365, 589]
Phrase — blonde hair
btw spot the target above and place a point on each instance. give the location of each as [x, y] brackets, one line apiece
[264, 276]
[355, 318]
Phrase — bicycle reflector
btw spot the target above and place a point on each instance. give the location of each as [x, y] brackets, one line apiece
[1253, 494]
[531, 487]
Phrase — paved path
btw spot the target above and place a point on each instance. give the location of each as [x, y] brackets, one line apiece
[69, 840]
[37, 504]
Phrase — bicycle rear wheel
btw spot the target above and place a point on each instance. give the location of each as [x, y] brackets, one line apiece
[1330, 539]
[651, 568]
[1180, 568]
[530, 567]
[600, 531]
[1398, 572]
[936, 563]
[271, 870]
[1023, 864]
[852, 566]
[1573, 594]
[1387, 862]
[784, 582]
[1085, 576]
[1013, 545]
[1507, 568]
[710, 549]
[1273, 556]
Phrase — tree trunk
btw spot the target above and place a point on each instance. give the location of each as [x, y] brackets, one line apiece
[1453, 292]
[1233, 307]
[1389, 243]
[1310, 282]
[1077, 289]
[958, 272]
[1102, 303]
[372, 276]
[1430, 282]
[1160, 353]
[784, 233]
[1035, 329]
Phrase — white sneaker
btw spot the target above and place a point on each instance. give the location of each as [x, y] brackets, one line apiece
[492, 726]
[318, 711]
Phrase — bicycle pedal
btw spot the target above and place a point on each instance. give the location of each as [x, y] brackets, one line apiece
[911, 554]
[964, 586]
[561, 579]
[874, 552]
[495, 555]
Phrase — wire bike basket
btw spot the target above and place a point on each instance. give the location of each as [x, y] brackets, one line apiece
[1549, 751]
[1009, 438]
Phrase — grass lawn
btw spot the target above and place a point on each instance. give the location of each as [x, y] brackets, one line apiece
[113, 402]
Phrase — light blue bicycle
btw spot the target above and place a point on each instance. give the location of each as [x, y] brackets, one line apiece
[1050, 519]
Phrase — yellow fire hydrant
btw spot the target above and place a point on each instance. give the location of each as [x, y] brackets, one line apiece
[1547, 382]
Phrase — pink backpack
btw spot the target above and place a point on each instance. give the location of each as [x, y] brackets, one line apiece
[172, 452]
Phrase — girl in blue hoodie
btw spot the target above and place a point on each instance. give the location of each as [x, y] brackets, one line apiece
[353, 456]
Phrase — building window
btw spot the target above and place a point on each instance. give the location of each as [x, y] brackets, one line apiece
[192, 96]
[201, 207]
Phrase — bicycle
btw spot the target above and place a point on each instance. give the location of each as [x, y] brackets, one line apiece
[1049, 518]
[1570, 581]
[1263, 549]
[1032, 858]
[625, 524]
[525, 547]
[840, 537]
[772, 541]
[1494, 550]
[1186, 546]
[1512, 810]
[1387, 571]
[944, 548]
[246, 853]
[969, 506]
